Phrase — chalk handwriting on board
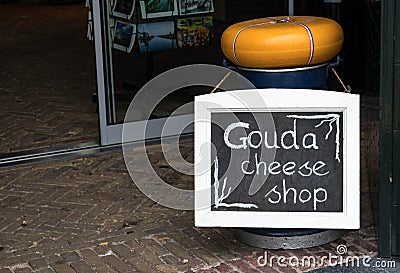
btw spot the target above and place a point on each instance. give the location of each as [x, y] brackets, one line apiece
[331, 118]
[283, 197]
[248, 142]
[219, 199]
[304, 174]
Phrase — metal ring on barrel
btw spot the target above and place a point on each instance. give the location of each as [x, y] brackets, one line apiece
[281, 42]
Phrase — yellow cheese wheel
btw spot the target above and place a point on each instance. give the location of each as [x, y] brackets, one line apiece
[279, 42]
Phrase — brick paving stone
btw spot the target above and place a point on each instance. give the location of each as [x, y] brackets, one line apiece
[178, 251]
[287, 269]
[205, 256]
[54, 259]
[94, 261]
[194, 263]
[365, 245]
[63, 268]
[227, 256]
[123, 252]
[117, 264]
[184, 240]
[166, 268]
[149, 255]
[154, 246]
[19, 259]
[13, 226]
[141, 266]
[225, 268]
[45, 270]
[102, 249]
[70, 256]
[243, 266]
[204, 271]
[38, 263]
[268, 269]
[175, 262]
[23, 270]
[82, 267]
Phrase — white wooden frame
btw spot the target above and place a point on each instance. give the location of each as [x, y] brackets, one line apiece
[276, 100]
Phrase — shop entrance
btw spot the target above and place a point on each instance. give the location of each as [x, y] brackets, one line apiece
[126, 64]
[47, 77]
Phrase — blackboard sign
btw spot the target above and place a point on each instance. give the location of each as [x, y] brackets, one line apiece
[285, 156]
[295, 167]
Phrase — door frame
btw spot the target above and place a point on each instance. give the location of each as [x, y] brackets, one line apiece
[389, 146]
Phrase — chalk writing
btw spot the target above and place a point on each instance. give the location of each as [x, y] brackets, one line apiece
[306, 173]
[331, 118]
[219, 199]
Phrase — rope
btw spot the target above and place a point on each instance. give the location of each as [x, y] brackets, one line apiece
[221, 82]
[346, 89]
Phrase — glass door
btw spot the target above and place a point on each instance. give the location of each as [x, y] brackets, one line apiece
[153, 59]
[47, 79]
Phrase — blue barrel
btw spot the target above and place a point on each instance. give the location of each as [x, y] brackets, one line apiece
[309, 77]
[313, 77]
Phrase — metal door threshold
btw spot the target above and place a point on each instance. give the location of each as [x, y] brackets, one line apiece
[75, 150]
[48, 154]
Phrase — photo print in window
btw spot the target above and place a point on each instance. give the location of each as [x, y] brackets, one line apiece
[158, 8]
[187, 7]
[195, 31]
[123, 9]
[156, 36]
[124, 36]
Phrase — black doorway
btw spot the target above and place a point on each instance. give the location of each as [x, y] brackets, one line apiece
[47, 77]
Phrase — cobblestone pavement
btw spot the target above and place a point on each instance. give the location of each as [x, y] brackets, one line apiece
[47, 77]
[86, 215]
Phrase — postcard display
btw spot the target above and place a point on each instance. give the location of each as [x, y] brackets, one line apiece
[159, 24]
